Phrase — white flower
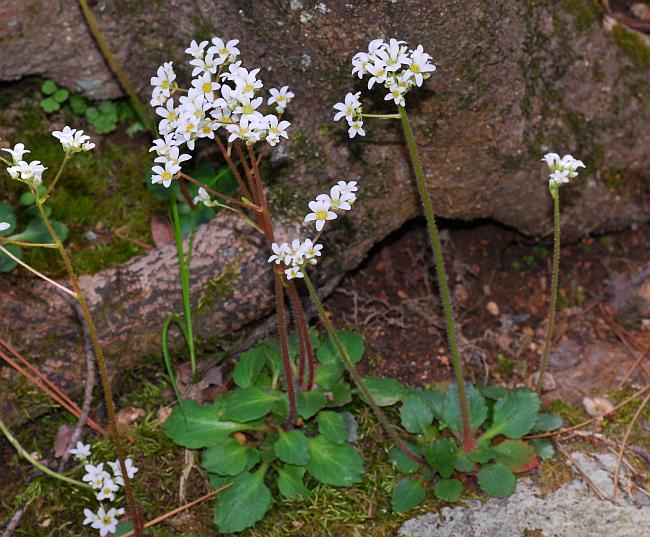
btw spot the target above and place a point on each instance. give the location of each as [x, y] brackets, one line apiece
[356, 127]
[311, 251]
[196, 50]
[131, 470]
[106, 522]
[242, 130]
[347, 190]
[280, 97]
[30, 173]
[90, 517]
[396, 94]
[293, 272]
[163, 146]
[107, 491]
[17, 153]
[169, 116]
[378, 72]
[95, 475]
[164, 79]
[335, 200]
[277, 129]
[165, 175]
[4, 226]
[419, 65]
[280, 252]
[295, 255]
[73, 141]
[173, 156]
[226, 51]
[204, 197]
[348, 108]
[206, 86]
[320, 213]
[81, 451]
[559, 177]
[566, 164]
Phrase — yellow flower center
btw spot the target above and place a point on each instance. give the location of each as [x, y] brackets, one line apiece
[321, 214]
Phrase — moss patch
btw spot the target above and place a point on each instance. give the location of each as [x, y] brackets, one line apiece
[101, 195]
[633, 45]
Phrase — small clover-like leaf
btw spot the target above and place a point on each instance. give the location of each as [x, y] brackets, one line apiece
[448, 490]
[49, 87]
[292, 447]
[496, 480]
[407, 494]
[61, 95]
[50, 105]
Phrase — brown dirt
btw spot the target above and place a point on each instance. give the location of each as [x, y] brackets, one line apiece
[391, 298]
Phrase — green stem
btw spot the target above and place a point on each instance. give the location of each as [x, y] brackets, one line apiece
[101, 362]
[57, 176]
[21, 451]
[184, 272]
[554, 288]
[347, 362]
[117, 70]
[382, 116]
[468, 440]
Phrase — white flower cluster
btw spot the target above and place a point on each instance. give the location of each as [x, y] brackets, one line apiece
[73, 140]
[21, 170]
[300, 253]
[106, 486]
[392, 64]
[562, 169]
[31, 173]
[222, 94]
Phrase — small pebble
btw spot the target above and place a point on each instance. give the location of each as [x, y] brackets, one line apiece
[90, 235]
[492, 308]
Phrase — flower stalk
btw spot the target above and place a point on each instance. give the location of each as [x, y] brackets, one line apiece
[555, 192]
[101, 360]
[468, 439]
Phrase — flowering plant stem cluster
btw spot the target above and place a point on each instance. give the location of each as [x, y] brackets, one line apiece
[561, 171]
[73, 141]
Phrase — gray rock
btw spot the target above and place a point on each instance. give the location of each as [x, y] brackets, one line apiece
[571, 511]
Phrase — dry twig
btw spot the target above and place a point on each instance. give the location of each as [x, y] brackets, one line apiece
[625, 439]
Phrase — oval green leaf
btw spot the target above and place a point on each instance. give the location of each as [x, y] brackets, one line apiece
[406, 495]
[226, 457]
[496, 480]
[448, 490]
[248, 404]
[243, 504]
[332, 426]
[333, 464]
[292, 447]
